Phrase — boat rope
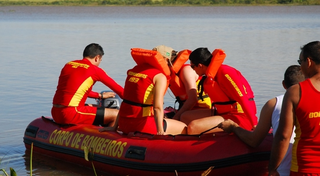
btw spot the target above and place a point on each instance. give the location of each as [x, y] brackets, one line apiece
[208, 130]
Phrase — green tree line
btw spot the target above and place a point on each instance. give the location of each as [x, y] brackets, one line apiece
[159, 2]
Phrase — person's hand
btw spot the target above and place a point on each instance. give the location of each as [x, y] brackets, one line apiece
[274, 173]
[228, 125]
[160, 133]
[108, 95]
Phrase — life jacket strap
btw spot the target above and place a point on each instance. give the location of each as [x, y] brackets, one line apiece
[203, 96]
[136, 104]
[201, 88]
[223, 103]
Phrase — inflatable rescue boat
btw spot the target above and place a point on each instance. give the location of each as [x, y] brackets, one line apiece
[141, 154]
[146, 154]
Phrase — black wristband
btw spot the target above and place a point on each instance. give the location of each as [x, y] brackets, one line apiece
[101, 97]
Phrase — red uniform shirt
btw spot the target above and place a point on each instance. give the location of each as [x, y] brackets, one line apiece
[74, 86]
[139, 91]
[229, 85]
[76, 81]
[306, 148]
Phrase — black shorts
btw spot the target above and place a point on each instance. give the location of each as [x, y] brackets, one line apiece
[99, 120]
[164, 125]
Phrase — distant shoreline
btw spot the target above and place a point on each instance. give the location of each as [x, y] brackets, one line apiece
[156, 2]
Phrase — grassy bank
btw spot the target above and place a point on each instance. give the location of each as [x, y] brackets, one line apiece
[158, 2]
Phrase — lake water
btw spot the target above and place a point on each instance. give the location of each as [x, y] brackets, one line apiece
[35, 42]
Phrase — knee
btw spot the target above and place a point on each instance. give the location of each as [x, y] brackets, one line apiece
[192, 128]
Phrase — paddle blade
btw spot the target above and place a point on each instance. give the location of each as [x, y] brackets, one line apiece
[207, 172]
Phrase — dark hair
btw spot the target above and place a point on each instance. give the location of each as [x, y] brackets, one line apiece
[92, 50]
[293, 75]
[311, 50]
[200, 56]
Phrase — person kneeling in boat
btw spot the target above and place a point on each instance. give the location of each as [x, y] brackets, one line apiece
[183, 81]
[269, 117]
[229, 91]
[75, 85]
[142, 106]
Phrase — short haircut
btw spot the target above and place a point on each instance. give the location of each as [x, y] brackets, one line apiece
[200, 56]
[311, 50]
[293, 75]
[92, 50]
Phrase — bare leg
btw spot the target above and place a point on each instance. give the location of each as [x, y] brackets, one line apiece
[175, 127]
[202, 124]
[110, 116]
[191, 115]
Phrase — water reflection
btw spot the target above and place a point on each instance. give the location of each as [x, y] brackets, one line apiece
[43, 165]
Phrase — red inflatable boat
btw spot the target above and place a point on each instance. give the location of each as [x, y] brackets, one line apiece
[144, 154]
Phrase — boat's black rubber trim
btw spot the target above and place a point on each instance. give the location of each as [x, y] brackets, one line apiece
[186, 167]
[31, 131]
[136, 152]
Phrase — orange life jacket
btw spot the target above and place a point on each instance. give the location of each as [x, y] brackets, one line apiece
[153, 58]
[218, 56]
[175, 84]
[217, 59]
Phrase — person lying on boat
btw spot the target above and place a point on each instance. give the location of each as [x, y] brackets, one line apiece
[269, 117]
[144, 90]
[183, 81]
[75, 86]
[229, 91]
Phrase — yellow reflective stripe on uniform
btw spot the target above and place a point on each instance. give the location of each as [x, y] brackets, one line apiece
[83, 88]
[84, 113]
[148, 99]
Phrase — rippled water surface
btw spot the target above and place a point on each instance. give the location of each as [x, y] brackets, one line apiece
[35, 42]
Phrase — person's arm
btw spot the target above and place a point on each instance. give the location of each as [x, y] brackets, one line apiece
[286, 123]
[188, 77]
[108, 81]
[160, 82]
[255, 137]
[93, 94]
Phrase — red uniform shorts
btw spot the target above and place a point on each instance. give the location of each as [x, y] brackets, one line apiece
[74, 115]
[144, 124]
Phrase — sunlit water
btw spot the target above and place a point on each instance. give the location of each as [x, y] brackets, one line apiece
[35, 42]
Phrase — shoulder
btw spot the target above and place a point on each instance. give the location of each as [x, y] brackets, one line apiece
[268, 107]
[226, 69]
[187, 70]
[293, 94]
[98, 69]
[267, 111]
[188, 73]
[294, 90]
[270, 104]
[159, 77]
